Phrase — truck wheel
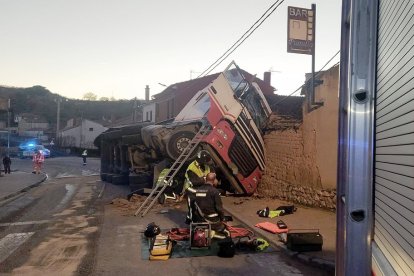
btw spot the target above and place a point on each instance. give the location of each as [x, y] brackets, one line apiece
[120, 180]
[140, 181]
[178, 142]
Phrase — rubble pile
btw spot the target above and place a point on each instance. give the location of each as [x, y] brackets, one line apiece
[128, 207]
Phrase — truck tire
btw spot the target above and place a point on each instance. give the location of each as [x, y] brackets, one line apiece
[120, 180]
[140, 181]
[178, 142]
[103, 176]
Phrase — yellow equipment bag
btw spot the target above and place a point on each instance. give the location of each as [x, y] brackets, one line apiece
[160, 248]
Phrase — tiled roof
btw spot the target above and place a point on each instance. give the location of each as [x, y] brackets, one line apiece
[290, 106]
[195, 85]
[190, 86]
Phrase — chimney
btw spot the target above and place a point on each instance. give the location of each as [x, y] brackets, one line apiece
[266, 77]
[147, 91]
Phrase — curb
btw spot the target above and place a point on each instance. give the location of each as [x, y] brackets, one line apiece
[314, 261]
[25, 189]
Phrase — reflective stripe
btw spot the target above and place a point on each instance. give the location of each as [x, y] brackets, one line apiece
[195, 168]
[212, 215]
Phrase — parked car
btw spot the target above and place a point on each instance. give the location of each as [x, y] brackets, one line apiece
[28, 152]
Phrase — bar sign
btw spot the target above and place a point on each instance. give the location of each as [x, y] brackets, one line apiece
[300, 31]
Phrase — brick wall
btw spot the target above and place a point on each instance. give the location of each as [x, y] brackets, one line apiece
[291, 171]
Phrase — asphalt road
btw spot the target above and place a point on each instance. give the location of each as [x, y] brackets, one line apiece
[60, 166]
[67, 226]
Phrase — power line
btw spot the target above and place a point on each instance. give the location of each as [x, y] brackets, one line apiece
[240, 41]
[300, 87]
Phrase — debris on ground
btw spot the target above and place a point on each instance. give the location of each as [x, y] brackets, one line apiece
[241, 200]
[129, 207]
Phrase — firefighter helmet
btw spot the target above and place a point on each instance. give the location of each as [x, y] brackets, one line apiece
[152, 230]
[203, 157]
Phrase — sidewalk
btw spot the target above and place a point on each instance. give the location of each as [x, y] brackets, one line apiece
[244, 209]
[17, 182]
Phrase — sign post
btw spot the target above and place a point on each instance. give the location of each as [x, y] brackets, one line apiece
[301, 39]
[8, 128]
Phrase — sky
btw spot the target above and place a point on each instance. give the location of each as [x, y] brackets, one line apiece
[114, 48]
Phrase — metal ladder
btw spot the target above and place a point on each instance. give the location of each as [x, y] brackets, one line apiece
[169, 176]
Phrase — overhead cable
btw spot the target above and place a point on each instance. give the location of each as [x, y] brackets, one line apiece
[240, 41]
[300, 87]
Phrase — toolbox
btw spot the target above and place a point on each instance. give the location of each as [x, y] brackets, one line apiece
[304, 240]
[160, 248]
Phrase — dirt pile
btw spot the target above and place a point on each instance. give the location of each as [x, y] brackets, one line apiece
[128, 207]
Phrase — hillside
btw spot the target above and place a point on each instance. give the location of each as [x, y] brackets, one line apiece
[40, 101]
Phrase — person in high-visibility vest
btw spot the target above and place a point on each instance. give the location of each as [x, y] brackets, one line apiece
[197, 171]
[84, 155]
[38, 160]
[195, 175]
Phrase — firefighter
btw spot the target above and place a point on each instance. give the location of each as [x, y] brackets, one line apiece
[197, 171]
[206, 205]
[38, 160]
[195, 175]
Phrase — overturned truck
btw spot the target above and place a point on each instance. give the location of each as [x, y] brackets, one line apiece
[235, 110]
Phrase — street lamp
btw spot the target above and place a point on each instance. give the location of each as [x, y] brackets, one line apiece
[8, 128]
[58, 100]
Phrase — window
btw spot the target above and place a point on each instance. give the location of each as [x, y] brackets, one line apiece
[91, 129]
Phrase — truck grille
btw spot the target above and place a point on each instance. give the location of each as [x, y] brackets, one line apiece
[256, 146]
[241, 156]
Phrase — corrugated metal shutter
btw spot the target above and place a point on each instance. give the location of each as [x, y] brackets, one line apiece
[394, 166]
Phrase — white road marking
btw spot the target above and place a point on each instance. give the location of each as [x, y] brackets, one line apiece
[70, 191]
[23, 223]
[83, 173]
[88, 173]
[102, 190]
[11, 242]
[64, 175]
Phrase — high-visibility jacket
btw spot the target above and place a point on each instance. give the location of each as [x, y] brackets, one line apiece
[196, 169]
[38, 158]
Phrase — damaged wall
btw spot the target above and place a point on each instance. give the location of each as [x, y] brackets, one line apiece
[302, 156]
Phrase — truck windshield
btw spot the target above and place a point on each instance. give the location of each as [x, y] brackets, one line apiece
[247, 94]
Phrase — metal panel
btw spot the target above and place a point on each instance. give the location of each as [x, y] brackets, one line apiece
[404, 191]
[405, 160]
[394, 151]
[406, 139]
[396, 105]
[396, 193]
[400, 130]
[400, 121]
[403, 170]
[356, 137]
[405, 183]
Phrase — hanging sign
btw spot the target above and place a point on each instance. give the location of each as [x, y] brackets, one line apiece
[301, 30]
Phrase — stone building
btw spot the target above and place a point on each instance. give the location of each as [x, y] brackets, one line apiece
[302, 147]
